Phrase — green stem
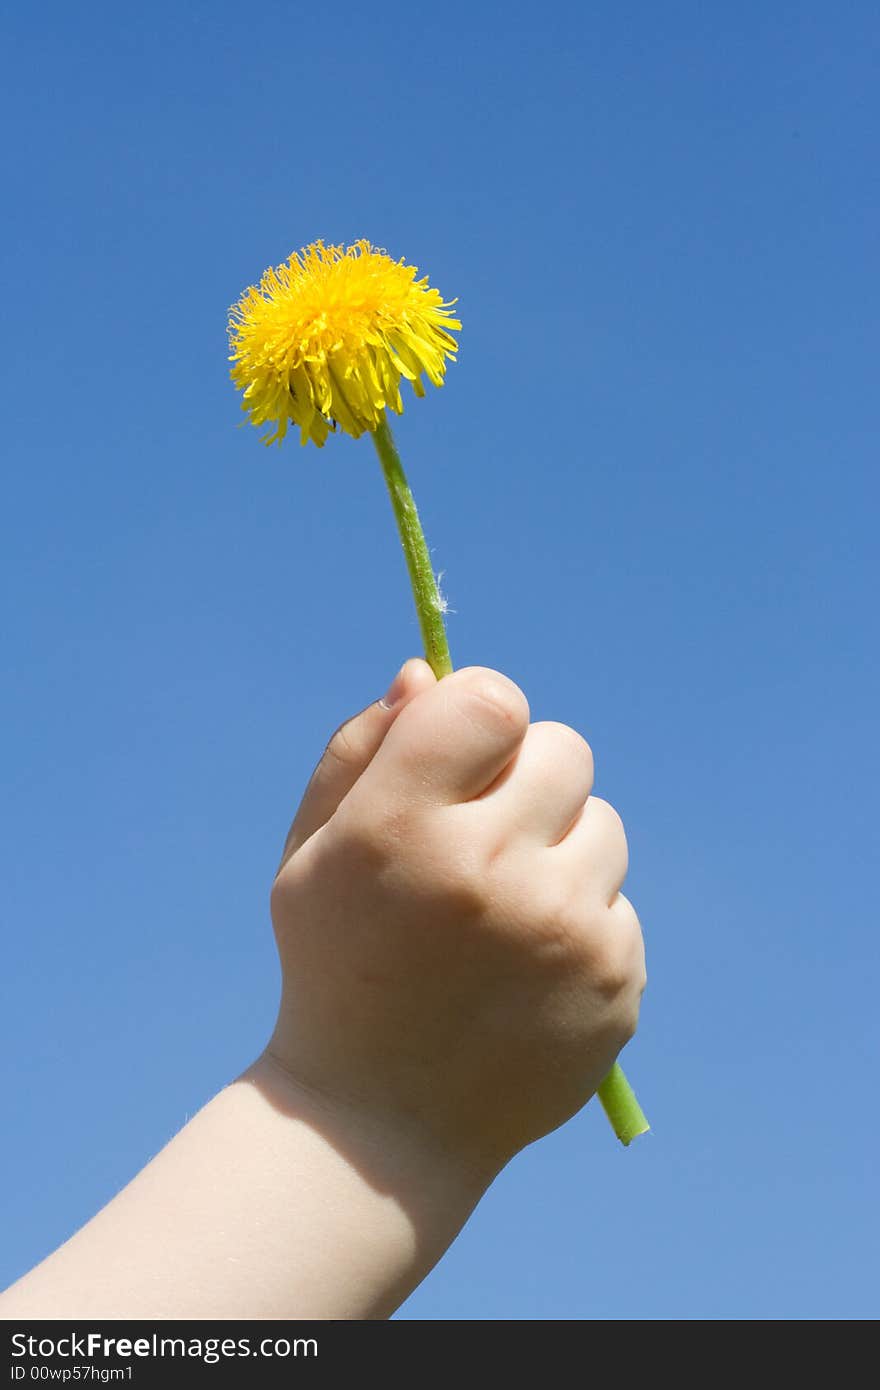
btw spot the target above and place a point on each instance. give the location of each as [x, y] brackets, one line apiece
[617, 1096]
[620, 1105]
[429, 605]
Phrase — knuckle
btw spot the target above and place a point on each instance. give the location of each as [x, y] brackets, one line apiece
[375, 844]
[613, 830]
[611, 971]
[496, 697]
[570, 746]
[463, 893]
[392, 835]
[629, 931]
[612, 953]
[277, 896]
[359, 844]
[342, 747]
[286, 888]
[629, 1022]
[613, 817]
[452, 865]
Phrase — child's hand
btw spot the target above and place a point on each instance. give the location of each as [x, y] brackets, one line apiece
[459, 965]
[460, 971]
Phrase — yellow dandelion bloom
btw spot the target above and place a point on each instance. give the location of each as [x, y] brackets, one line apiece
[324, 340]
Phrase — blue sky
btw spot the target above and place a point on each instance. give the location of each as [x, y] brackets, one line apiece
[651, 482]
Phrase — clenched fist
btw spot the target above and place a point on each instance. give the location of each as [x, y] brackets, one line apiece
[459, 964]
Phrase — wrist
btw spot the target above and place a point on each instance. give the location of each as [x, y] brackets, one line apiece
[400, 1145]
[415, 1195]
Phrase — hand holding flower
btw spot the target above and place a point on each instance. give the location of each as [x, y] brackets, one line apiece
[324, 341]
[459, 966]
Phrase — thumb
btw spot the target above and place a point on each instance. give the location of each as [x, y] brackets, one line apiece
[350, 751]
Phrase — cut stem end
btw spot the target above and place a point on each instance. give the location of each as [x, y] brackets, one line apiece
[620, 1105]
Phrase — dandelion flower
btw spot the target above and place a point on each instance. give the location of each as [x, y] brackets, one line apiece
[325, 338]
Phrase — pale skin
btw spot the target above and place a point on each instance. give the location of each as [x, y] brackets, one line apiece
[459, 971]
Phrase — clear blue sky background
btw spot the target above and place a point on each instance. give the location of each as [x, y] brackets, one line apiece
[651, 481]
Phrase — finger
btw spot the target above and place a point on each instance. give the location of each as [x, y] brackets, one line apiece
[628, 930]
[597, 841]
[452, 742]
[540, 793]
[351, 750]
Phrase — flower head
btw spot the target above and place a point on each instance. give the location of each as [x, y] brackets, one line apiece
[325, 338]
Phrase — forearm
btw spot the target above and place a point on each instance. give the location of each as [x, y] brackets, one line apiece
[270, 1203]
